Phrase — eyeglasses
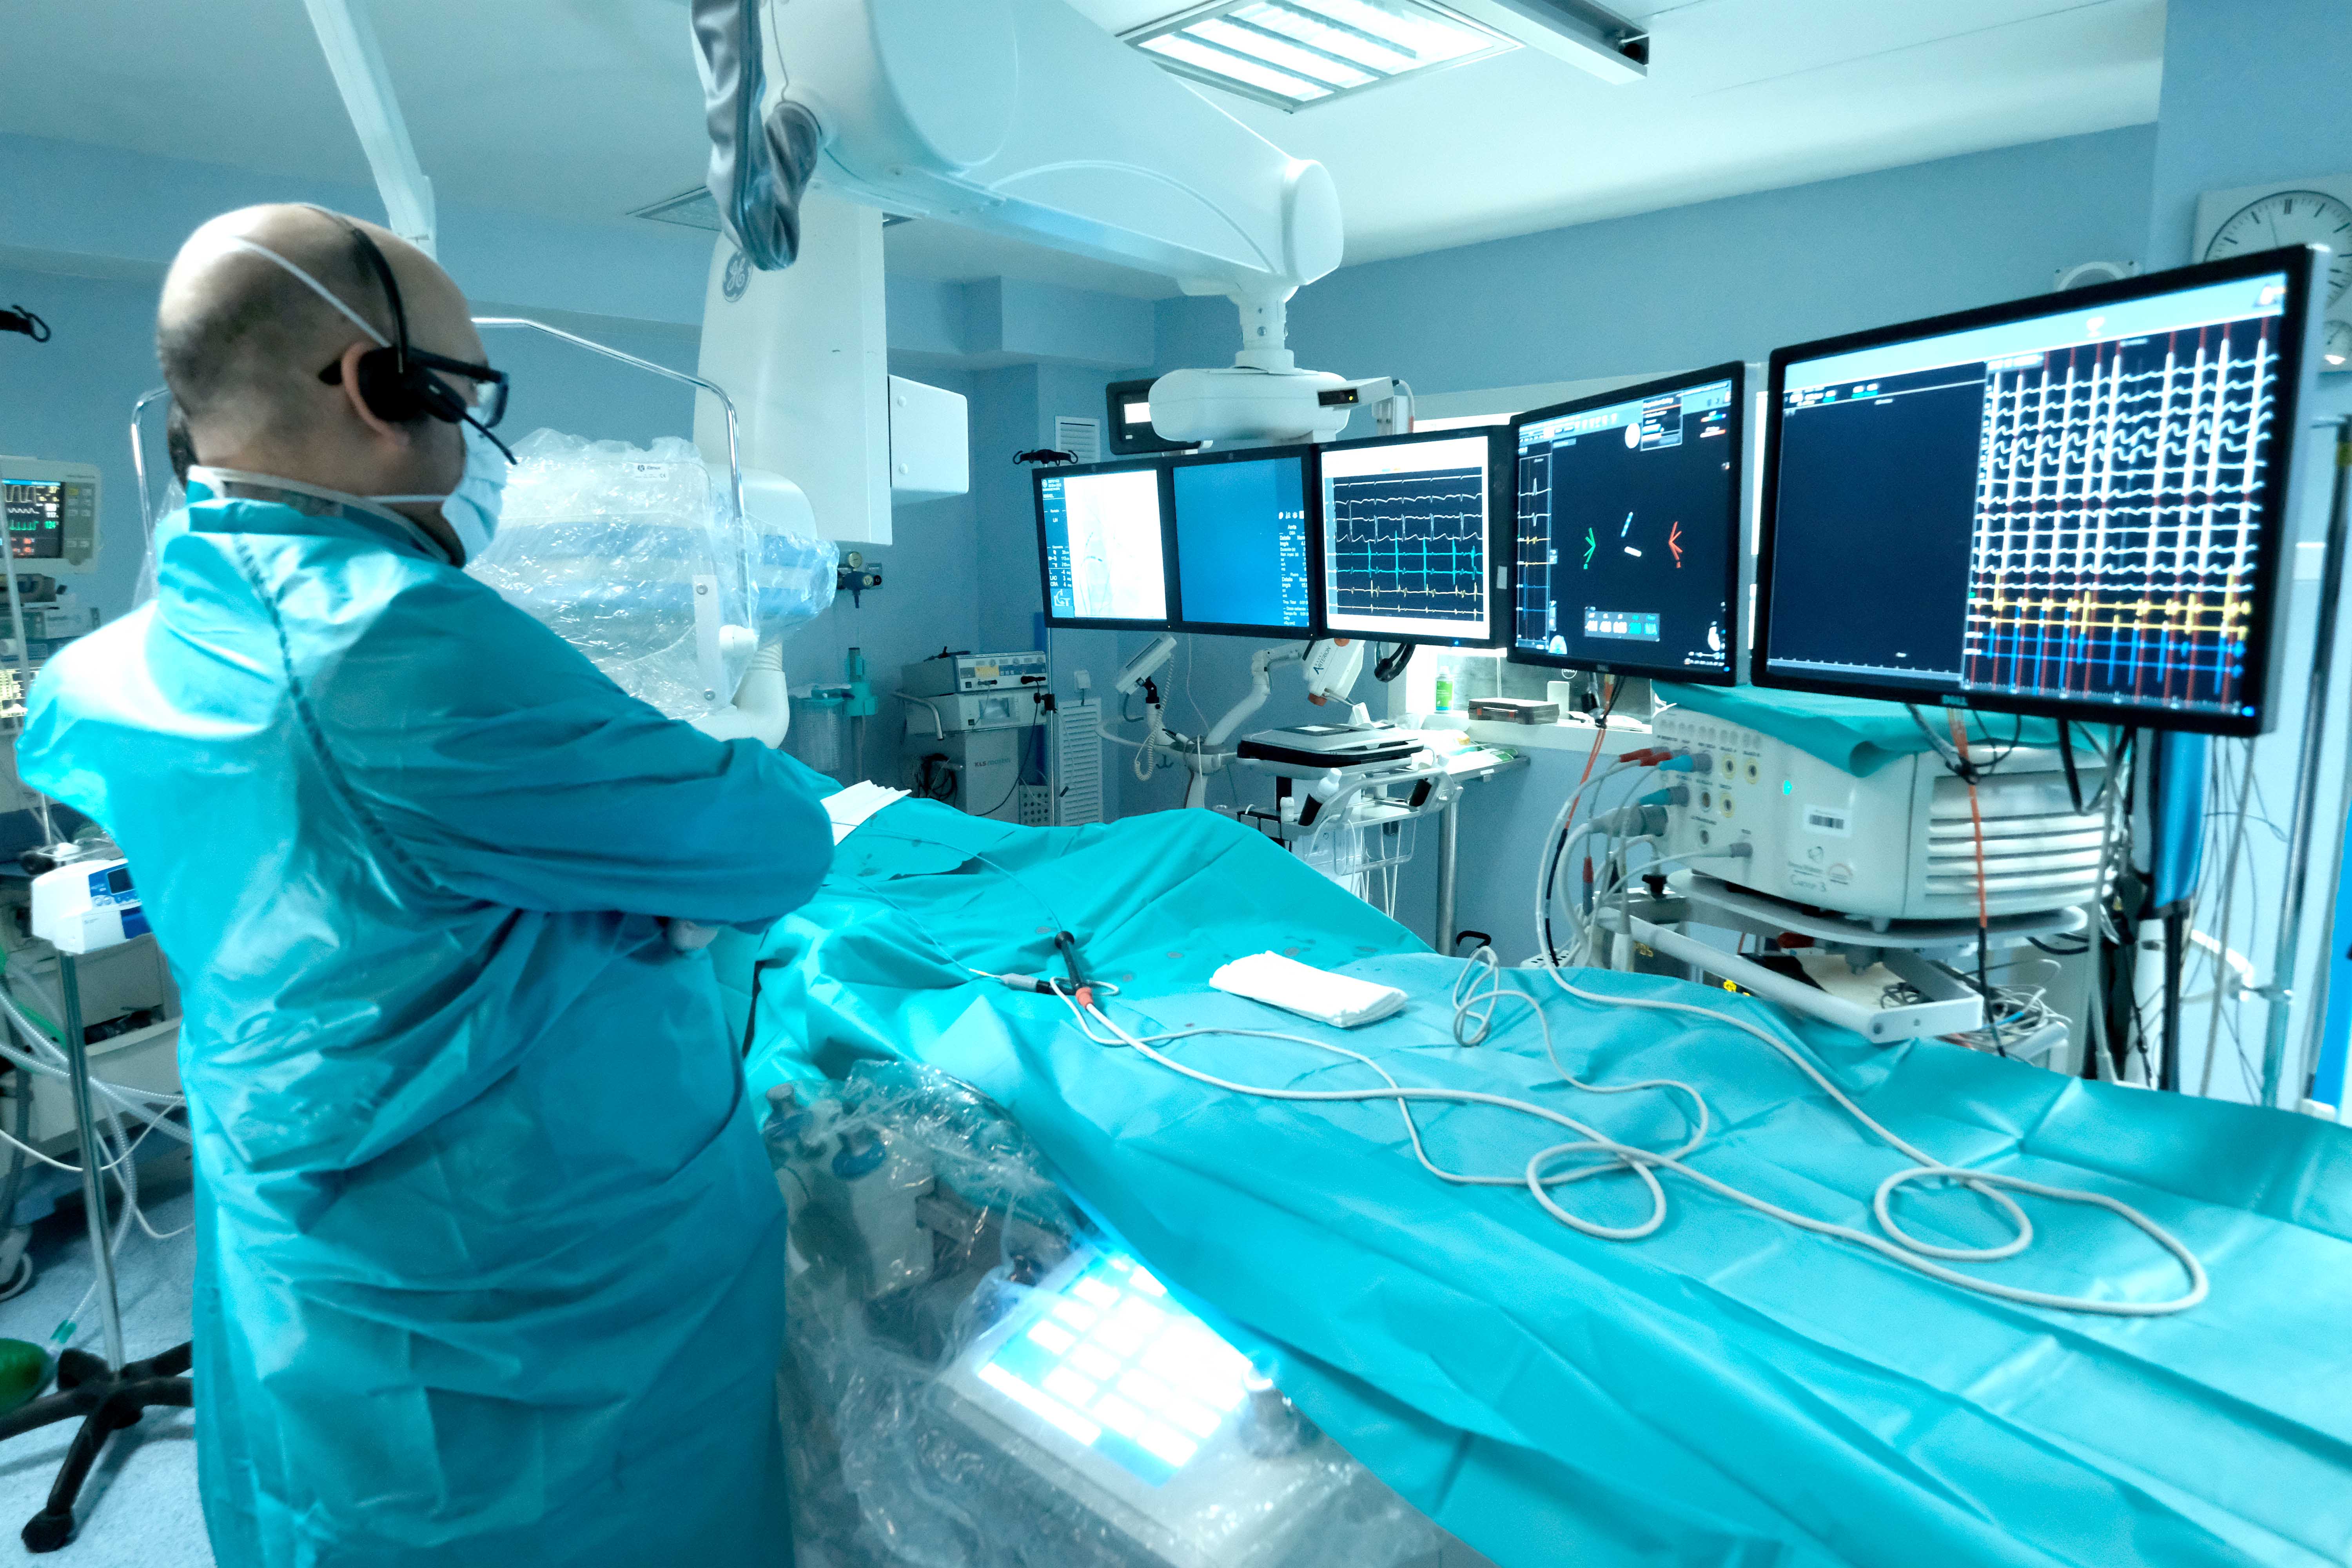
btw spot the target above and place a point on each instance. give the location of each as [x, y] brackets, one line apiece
[489, 386]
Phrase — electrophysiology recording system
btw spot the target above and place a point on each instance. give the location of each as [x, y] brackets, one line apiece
[1406, 527]
[1101, 537]
[1626, 531]
[1244, 549]
[2081, 512]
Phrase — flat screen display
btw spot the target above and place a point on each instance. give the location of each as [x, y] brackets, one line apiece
[2075, 505]
[1626, 531]
[1245, 552]
[37, 513]
[1102, 545]
[1408, 525]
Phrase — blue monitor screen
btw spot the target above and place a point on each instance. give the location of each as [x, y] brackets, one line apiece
[1241, 545]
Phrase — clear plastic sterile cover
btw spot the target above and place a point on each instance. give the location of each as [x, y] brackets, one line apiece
[907, 1451]
[617, 548]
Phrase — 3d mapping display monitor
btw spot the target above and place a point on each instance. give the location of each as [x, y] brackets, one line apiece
[1626, 531]
[1102, 545]
[2075, 505]
[1244, 547]
[1408, 547]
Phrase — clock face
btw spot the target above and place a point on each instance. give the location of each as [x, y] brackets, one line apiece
[2291, 217]
[2335, 354]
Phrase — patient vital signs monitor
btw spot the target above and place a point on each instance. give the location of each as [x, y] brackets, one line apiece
[1101, 544]
[1626, 547]
[1407, 525]
[2075, 505]
[1245, 550]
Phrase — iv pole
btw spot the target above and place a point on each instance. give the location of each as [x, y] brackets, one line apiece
[2286, 953]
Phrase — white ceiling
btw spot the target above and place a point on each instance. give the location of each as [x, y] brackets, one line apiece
[589, 108]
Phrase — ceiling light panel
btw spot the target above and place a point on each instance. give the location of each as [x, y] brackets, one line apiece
[1294, 53]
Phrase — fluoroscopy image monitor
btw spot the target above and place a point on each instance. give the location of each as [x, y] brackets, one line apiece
[1245, 546]
[1626, 535]
[1408, 523]
[2077, 505]
[1102, 545]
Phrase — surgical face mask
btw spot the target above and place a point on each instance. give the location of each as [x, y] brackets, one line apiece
[471, 510]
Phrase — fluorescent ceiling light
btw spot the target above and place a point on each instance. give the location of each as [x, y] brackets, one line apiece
[1292, 53]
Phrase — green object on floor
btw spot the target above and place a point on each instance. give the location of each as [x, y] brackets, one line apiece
[24, 1372]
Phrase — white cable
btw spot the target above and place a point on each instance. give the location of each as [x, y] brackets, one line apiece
[1897, 1244]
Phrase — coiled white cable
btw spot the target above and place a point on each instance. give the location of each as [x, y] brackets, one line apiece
[1897, 1243]
[1473, 1008]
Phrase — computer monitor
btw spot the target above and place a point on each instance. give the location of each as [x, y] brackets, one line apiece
[1626, 538]
[1407, 538]
[37, 513]
[1245, 543]
[2077, 505]
[1102, 545]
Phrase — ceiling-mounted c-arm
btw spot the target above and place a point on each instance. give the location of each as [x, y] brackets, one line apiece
[1022, 118]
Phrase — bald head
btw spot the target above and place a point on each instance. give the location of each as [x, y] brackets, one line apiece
[261, 366]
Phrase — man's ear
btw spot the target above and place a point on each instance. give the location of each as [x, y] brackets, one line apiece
[348, 383]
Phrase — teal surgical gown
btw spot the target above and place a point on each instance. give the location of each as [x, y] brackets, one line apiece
[490, 1262]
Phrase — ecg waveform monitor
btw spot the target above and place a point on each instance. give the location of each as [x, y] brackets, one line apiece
[1407, 522]
[2075, 505]
[1626, 531]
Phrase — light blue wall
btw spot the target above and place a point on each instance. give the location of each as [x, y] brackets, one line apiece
[69, 400]
[94, 209]
[2254, 94]
[1718, 280]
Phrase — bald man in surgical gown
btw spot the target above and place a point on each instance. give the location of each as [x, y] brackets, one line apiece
[490, 1263]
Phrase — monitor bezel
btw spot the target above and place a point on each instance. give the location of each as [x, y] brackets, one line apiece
[1156, 465]
[1735, 559]
[2266, 645]
[1311, 497]
[1498, 520]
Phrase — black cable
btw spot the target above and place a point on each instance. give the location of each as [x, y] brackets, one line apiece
[1007, 795]
[2066, 756]
[16, 319]
[752, 1014]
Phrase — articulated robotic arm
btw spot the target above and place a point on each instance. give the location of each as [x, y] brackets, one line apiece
[1022, 118]
[1330, 667]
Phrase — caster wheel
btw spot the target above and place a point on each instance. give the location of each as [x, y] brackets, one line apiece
[77, 1367]
[45, 1531]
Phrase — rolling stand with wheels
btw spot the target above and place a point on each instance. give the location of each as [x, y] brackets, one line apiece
[111, 1394]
